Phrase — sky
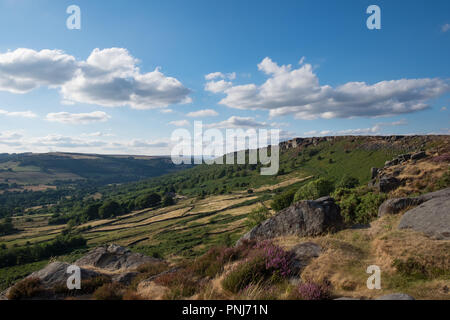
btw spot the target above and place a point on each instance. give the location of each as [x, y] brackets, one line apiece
[136, 71]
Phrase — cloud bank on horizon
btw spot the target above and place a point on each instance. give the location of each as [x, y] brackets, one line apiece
[111, 78]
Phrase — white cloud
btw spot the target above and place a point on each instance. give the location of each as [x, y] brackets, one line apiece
[238, 122]
[217, 86]
[180, 123]
[166, 110]
[23, 70]
[297, 92]
[202, 113]
[109, 77]
[78, 118]
[215, 75]
[445, 27]
[97, 134]
[21, 114]
[443, 108]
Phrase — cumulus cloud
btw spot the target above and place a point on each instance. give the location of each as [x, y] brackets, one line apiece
[215, 75]
[238, 122]
[108, 77]
[445, 27]
[21, 114]
[23, 70]
[202, 113]
[78, 118]
[217, 86]
[290, 91]
[180, 123]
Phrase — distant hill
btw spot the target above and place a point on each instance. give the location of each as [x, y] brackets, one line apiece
[19, 170]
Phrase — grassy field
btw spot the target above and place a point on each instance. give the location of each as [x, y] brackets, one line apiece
[185, 230]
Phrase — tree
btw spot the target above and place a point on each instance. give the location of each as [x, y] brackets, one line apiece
[148, 201]
[314, 190]
[348, 182]
[283, 200]
[109, 209]
[167, 201]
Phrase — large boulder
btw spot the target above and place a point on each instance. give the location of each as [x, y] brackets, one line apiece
[431, 217]
[389, 183]
[304, 218]
[303, 253]
[56, 273]
[396, 205]
[114, 258]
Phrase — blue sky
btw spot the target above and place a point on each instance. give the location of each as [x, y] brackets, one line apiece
[309, 68]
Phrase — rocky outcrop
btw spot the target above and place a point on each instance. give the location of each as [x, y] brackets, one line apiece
[431, 217]
[418, 155]
[303, 253]
[396, 296]
[56, 273]
[396, 205]
[304, 218]
[114, 257]
[373, 172]
[387, 184]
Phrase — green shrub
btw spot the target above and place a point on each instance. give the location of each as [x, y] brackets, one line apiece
[283, 200]
[256, 216]
[347, 182]
[249, 272]
[444, 181]
[358, 205]
[314, 190]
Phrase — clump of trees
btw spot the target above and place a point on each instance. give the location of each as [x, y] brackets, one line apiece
[7, 227]
[110, 208]
[314, 190]
[61, 245]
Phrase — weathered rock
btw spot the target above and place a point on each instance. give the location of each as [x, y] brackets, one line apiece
[125, 278]
[303, 254]
[394, 206]
[431, 217]
[387, 184]
[114, 257]
[56, 273]
[418, 155]
[396, 296]
[444, 193]
[304, 218]
[373, 172]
